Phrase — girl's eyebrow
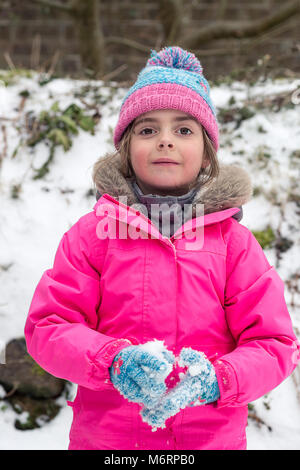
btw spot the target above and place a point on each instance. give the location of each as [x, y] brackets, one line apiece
[186, 118]
[176, 119]
[144, 120]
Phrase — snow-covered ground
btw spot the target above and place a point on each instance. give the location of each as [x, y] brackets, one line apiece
[33, 224]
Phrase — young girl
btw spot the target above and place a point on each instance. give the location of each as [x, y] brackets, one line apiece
[169, 329]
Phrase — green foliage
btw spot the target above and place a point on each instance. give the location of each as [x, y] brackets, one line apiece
[9, 77]
[265, 237]
[36, 369]
[15, 191]
[96, 94]
[262, 156]
[24, 93]
[237, 114]
[261, 129]
[256, 191]
[56, 128]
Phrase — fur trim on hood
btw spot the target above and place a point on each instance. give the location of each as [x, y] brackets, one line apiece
[232, 188]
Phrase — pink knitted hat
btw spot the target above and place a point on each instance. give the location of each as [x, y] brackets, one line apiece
[172, 79]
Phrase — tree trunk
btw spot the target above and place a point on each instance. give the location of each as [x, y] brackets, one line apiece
[91, 40]
[170, 15]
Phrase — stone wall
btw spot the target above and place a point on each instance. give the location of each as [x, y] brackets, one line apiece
[26, 27]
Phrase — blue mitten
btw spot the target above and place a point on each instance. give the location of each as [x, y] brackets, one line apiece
[139, 372]
[199, 386]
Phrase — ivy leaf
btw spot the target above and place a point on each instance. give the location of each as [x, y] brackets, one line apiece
[59, 137]
[71, 125]
[87, 123]
[44, 116]
[73, 111]
[55, 107]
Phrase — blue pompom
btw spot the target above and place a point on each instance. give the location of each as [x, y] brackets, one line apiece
[175, 57]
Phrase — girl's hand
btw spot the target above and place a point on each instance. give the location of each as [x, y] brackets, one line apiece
[199, 386]
[139, 375]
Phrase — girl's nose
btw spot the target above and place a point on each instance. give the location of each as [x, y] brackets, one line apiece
[165, 144]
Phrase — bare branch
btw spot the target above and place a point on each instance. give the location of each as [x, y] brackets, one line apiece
[226, 49]
[54, 61]
[127, 42]
[252, 415]
[246, 44]
[114, 73]
[68, 7]
[35, 52]
[241, 29]
[9, 61]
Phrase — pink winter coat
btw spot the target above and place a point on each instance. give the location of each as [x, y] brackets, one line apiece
[222, 298]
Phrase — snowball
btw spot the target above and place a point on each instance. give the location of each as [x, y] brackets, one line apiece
[157, 348]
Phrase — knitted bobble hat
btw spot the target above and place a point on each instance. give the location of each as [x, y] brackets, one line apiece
[172, 79]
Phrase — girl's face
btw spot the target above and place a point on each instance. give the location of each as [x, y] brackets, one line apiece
[166, 151]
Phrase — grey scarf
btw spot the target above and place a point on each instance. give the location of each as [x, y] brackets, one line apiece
[168, 213]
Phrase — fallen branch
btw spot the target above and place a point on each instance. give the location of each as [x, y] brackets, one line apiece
[252, 415]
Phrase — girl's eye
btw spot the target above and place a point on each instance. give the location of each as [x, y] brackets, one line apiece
[147, 131]
[185, 131]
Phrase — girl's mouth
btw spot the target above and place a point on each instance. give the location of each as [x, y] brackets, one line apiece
[165, 161]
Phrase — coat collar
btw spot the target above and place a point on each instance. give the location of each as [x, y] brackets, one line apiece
[231, 189]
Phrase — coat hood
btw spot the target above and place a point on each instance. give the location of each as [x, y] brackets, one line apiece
[232, 188]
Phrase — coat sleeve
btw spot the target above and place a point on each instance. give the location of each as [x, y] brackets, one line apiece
[61, 326]
[267, 350]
